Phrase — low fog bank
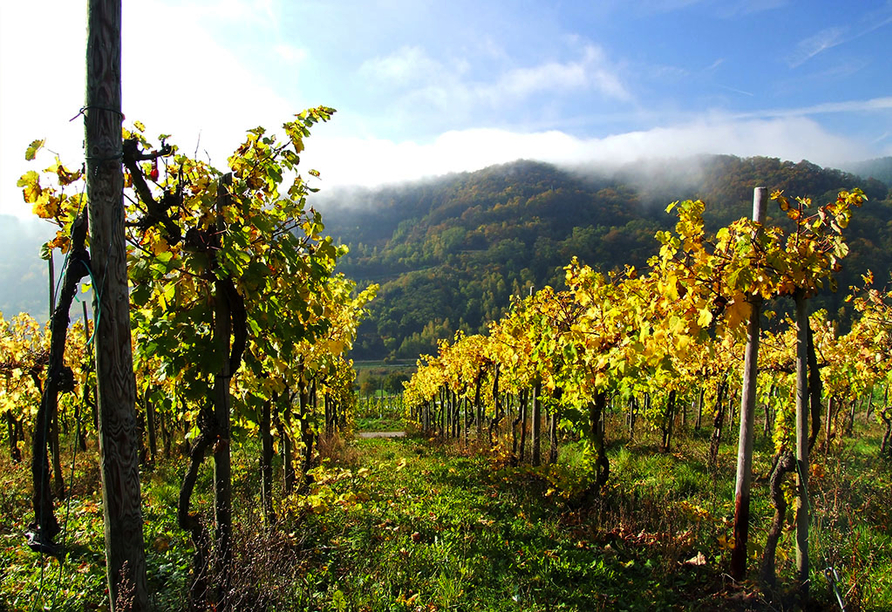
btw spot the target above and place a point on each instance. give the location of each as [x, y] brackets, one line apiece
[362, 198]
[23, 274]
[377, 163]
[653, 178]
[657, 180]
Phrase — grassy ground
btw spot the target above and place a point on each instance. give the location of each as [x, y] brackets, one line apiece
[380, 423]
[411, 525]
[383, 413]
[434, 530]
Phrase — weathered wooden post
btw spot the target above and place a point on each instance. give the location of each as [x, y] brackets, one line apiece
[802, 441]
[747, 418]
[116, 387]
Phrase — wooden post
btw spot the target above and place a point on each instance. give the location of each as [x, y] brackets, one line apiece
[699, 409]
[597, 408]
[802, 413]
[522, 415]
[478, 404]
[266, 459]
[289, 478]
[552, 436]
[828, 427]
[537, 424]
[116, 386]
[150, 425]
[669, 422]
[118, 441]
[222, 458]
[465, 423]
[747, 419]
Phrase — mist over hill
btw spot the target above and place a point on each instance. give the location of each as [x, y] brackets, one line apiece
[450, 252]
[879, 169]
[23, 275]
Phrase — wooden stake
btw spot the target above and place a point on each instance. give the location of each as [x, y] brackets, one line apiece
[222, 458]
[747, 419]
[802, 443]
[116, 386]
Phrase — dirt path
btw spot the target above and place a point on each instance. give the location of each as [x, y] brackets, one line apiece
[381, 434]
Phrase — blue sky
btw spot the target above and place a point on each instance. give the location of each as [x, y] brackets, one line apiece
[424, 87]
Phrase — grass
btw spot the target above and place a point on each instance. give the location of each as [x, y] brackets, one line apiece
[414, 525]
[382, 423]
[442, 531]
[384, 414]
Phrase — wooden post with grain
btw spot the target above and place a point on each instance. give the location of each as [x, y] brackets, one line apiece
[116, 387]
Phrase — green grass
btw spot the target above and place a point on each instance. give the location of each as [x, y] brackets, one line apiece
[382, 415]
[383, 423]
[441, 530]
[410, 525]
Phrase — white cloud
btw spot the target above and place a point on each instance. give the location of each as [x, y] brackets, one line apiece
[793, 138]
[407, 65]
[373, 162]
[592, 70]
[420, 85]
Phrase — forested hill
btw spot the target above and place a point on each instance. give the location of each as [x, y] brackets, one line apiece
[879, 168]
[449, 253]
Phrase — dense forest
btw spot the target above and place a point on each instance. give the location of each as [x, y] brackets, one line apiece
[448, 253]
